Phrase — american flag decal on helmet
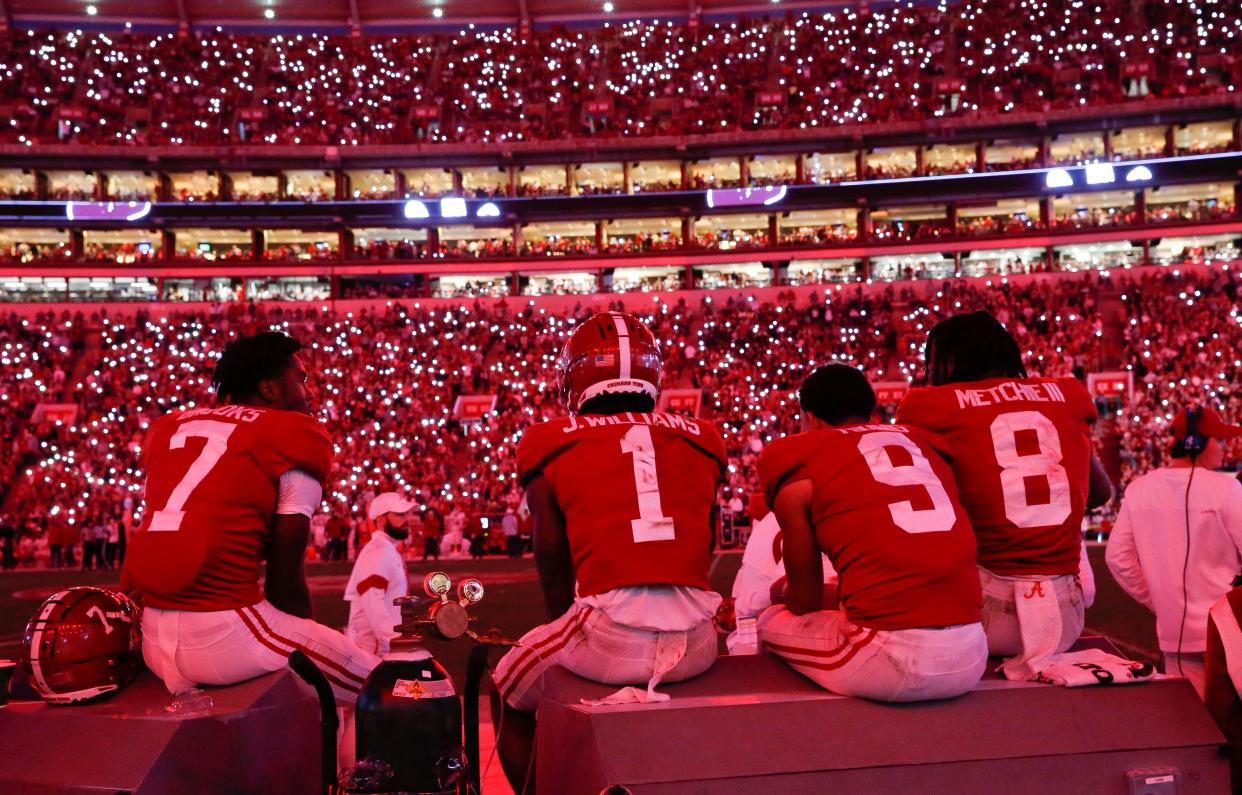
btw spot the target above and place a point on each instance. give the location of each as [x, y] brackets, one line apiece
[605, 360]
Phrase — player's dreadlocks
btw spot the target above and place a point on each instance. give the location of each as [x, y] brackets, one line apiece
[971, 347]
[250, 360]
[837, 393]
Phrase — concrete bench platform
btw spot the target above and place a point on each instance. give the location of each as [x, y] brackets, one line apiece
[260, 736]
[752, 725]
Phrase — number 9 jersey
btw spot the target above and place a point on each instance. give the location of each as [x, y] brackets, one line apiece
[886, 514]
[1021, 451]
[212, 484]
[637, 491]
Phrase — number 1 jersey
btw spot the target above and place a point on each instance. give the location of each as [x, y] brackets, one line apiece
[1021, 452]
[212, 483]
[637, 492]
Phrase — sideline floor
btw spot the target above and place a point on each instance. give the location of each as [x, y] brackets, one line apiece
[513, 604]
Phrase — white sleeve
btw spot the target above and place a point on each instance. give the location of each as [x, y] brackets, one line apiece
[1231, 511]
[1121, 555]
[759, 569]
[1086, 576]
[381, 615]
[299, 494]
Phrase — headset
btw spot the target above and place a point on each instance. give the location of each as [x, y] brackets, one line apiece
[1194, 443]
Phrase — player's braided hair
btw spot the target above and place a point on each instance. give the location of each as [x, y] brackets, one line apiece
[250, 360]
[837, 393]
[970, 347]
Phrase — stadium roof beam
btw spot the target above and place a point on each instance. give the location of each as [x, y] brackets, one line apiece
[183, 17]
[355, 20]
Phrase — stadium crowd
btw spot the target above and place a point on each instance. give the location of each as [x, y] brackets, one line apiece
[637, 78]
[1183, 342]
[388, 378]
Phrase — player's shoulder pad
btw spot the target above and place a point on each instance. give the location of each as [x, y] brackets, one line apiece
[918, 405]
[1078, 396]
[160, 426]
[540, 443]
[299, 438]
[938, 444]
[161, 423]
[704, 435]
[782, 462]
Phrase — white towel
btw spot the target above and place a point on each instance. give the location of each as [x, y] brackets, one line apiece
[1039, 622]
[670, 649]
[1093, 667]
[627, 695]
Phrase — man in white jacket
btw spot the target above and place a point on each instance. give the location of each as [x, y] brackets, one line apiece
[379, 576]
[1177, 544]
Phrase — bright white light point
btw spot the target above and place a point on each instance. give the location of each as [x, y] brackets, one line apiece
[489, 210]
[269, 13]
[453, 207]
[608, 7]
[92, 10]
[416, 209]
[1100, 174]
[437, 12]
[1139, 174]
[1058, 178]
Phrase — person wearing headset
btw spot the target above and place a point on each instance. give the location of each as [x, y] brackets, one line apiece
[1177, 544]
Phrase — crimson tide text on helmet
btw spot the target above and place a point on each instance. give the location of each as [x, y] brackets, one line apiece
[82, 643]
[611, 353]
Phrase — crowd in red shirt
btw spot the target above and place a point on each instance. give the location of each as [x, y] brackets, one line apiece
[388, 376]
[1183, 338]
[637, 78]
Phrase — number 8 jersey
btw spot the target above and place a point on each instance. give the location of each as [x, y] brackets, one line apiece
[637, 492]
[1021, 451]
[211, 492]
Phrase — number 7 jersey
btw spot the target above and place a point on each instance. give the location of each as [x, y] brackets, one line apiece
[637, 492]
[212, 483]
[1021, 452]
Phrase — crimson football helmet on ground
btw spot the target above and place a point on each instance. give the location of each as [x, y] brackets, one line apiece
[611, 353]
[82, 643]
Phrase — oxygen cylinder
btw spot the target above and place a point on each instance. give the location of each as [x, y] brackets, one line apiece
[408, 733]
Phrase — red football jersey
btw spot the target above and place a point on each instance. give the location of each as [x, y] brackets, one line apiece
[1021, 451]
[212, 481]
[637, 491]
[887, 516]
